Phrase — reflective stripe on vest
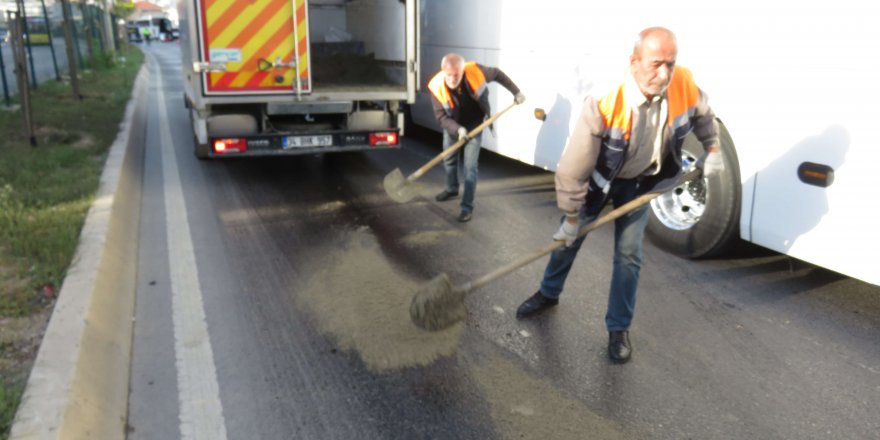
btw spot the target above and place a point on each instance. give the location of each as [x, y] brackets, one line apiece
[474, 77]
[682, 97]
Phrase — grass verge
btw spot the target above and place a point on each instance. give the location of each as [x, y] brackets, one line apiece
[45, 193]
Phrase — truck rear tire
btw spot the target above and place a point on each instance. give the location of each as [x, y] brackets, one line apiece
[699, 219]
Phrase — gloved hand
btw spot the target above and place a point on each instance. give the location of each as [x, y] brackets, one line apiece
[519, 98]
[567, 232]
[711, 163]
[462, 133]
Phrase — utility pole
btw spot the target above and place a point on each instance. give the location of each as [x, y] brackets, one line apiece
[68, 44]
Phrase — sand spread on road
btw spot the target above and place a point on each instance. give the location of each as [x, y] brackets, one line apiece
[428, 237]
[523, 407]
[363, 302]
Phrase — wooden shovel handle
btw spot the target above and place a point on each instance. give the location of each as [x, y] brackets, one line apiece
[454, 147]
[611, 216]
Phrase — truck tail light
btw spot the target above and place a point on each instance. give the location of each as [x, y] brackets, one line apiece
[383, 138]
[234, 145]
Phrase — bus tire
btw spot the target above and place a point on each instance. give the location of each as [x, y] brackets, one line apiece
[700, 219]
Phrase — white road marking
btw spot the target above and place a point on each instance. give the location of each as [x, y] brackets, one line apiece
[201, 412]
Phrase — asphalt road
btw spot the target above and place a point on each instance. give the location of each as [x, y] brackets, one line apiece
[273, 293]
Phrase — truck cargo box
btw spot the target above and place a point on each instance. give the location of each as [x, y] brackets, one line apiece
[297, 76]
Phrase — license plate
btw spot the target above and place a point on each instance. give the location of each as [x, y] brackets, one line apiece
[307, 141]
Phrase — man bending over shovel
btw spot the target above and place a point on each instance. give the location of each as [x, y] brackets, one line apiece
[460, 97]
[625, 144]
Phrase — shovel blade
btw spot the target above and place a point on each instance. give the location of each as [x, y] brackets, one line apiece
[437, 305]
[399, 188]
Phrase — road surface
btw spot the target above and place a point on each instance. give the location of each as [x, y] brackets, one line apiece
[272, 304]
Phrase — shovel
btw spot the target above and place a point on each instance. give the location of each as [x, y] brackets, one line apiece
[402, 189]
[438, 304]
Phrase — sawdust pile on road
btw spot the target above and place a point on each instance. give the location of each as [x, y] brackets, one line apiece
[523, 407]
[363, 302]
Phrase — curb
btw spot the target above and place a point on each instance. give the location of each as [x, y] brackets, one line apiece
[78, 387]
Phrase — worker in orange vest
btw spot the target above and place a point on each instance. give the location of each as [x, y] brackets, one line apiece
[625, 144]
[460, 98]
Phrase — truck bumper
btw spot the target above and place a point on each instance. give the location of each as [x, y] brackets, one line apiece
[297, 144]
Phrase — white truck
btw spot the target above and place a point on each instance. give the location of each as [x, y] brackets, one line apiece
[790, 84]
[271, 77]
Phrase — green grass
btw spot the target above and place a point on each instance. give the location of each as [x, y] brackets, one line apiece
[10, 396]
[46, 191]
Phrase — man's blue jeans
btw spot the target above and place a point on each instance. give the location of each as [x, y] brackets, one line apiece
[629, 231]
[468, 168]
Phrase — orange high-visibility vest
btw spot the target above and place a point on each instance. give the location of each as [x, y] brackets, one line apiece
[475, 80]
[682, 97]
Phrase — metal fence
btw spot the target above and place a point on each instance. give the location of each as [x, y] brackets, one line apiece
[44, 41]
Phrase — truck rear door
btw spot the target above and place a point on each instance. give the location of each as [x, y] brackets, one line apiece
[263, 45]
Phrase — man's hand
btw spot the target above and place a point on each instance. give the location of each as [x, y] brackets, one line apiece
[567, 232]
[519, 98]
[462, 133]
[711, 163]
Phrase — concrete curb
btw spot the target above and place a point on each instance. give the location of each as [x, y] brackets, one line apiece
[78, 387]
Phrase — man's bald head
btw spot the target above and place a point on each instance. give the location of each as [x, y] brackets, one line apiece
[452, 66]
[653, 36]
[652, 62]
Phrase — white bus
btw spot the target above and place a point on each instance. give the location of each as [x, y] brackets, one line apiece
[793, 85]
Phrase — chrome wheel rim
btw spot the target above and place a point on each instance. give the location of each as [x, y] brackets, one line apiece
[681, 207]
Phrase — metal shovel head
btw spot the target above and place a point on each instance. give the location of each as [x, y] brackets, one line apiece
[437, 305]
[399, 188]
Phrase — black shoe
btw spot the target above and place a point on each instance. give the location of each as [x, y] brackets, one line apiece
[619, 348]
[465, 216]
[445, 195]
[535, 304]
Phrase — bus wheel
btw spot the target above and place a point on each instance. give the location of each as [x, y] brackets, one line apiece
[700, 218]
